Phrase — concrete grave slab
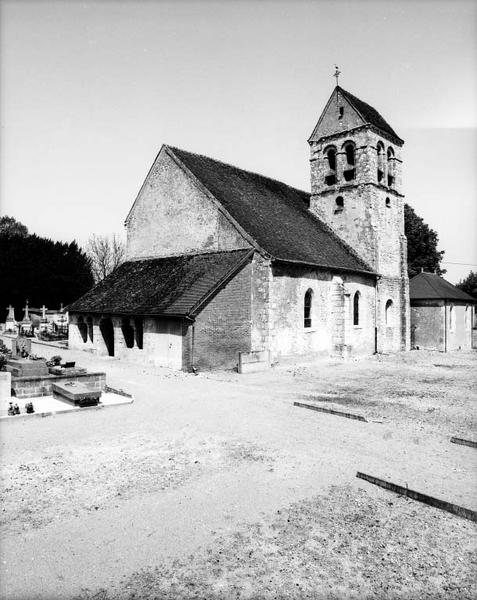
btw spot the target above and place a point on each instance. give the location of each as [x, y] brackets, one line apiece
[77, 393]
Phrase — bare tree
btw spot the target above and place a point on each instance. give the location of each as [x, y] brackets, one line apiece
[106, 253]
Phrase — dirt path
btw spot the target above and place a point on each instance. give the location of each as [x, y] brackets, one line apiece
[106, 500]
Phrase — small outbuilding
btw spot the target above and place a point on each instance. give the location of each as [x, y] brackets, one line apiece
[442, 315]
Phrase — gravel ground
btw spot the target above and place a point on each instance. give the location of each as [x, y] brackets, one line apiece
[343, 545]
[215, 486]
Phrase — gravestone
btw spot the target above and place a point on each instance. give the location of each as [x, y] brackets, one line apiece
[10, 323]
[77, 393]
[25, 325]
[21, 344]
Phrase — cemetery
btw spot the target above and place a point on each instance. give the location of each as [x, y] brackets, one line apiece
[30, 384]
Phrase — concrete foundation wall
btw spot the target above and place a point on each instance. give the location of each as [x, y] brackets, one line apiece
[173, 216]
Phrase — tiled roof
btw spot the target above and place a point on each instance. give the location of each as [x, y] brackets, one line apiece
[368, 113]
[428, 286]
[273, 214]
[171, 286]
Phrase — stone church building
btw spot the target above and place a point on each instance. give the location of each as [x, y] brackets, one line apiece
[225, 266]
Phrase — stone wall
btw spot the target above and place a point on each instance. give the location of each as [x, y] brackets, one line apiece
[332, 331]
[370, 218]
[223, 328]
[33, 387]
[173, 215]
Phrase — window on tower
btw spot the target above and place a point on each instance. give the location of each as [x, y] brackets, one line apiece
[380, 152]
[330, 177]
[349, 171]
[339, 204]
[391, 164]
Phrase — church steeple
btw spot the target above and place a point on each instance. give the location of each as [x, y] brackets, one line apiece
[344, 112]
[355, 162]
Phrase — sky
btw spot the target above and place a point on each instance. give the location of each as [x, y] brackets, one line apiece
[90, 90]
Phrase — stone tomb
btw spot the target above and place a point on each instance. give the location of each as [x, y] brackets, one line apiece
[78, 393]
[25, 367]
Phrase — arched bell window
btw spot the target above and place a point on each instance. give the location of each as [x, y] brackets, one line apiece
[330, 176]
[307, 308]
[356, 308]
[380, 153]
[349, 171]
[391, 167]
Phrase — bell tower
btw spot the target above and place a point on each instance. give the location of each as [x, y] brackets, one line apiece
[355, 160]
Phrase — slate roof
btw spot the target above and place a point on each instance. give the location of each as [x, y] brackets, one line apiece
[428, 286]
[274, 214]
[171, 286]
[368, 113]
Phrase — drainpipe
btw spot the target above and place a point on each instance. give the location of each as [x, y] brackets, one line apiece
[376, 315]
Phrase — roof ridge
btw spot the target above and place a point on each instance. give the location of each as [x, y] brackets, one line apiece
[187, 254]
[221, 162]
[384, 126]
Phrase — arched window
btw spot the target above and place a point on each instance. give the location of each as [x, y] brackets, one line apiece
[388, 313]
[451, 318]
[307, 308]
[380, 152]
[339, 204]
[330, 177]
[388, 203]
[349, 171]
[356, 308]
[391, 171]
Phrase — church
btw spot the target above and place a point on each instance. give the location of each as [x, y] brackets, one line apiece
[231, 269]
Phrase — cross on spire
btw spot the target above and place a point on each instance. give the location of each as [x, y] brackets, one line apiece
[337, 73]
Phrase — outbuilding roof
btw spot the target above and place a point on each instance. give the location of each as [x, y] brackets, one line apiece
[274, 214]
[428, 286]
[171, 286]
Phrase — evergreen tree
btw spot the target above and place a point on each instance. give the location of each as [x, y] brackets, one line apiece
[422, 252]
[40, 270]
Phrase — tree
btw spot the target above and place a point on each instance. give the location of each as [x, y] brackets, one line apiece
[106, 253]
[41, 271]
[10, 227]
[422, 252]
[469, 284]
